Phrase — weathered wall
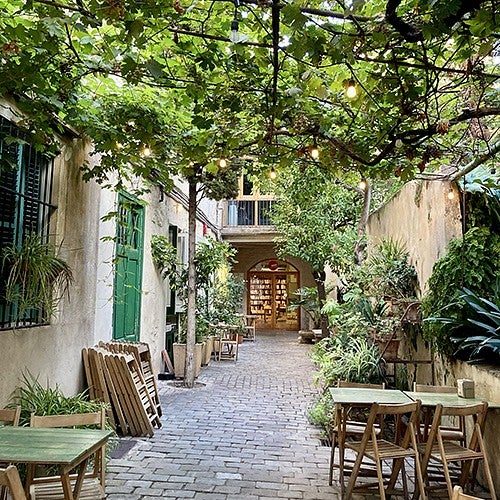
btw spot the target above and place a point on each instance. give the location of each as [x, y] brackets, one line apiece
[423, 218]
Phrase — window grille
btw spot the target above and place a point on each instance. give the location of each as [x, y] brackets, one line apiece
[26, 177]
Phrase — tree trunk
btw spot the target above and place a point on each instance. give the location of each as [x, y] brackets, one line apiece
[319, 277]
[359, 247]
[189, 369]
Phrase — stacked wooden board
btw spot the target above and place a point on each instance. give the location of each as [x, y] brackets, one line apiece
[120, 374]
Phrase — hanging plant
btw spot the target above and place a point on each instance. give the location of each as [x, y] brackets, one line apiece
[37, 277]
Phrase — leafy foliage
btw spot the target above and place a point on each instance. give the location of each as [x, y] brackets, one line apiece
[472, 263]
[37, 278]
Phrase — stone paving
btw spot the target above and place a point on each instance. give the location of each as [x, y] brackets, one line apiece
[243, 434]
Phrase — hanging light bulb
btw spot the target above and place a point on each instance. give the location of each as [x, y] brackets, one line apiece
[362, 184]
[351, 91]
[222, 163]
[233, 36]
[146, 151]
[314, 152]
[451, 194]
[272, 174]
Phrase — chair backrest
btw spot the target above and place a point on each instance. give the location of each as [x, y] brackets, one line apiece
[97, 419]
[345, 383]
[458, 494]
[10, 416]
[448, 389]
[398, 411]
[9, 478]
[73, 420]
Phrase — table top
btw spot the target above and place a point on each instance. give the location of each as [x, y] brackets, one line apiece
[49, 446]
[357, 395]
[447, 399]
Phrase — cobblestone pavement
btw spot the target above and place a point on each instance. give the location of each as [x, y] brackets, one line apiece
[243, 434]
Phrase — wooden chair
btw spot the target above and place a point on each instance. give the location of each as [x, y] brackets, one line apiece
[228, 344]
[458, 494]
[448, 431]
[8, 417]
[378, 450]
[10, 480]
[45, 488]
[250, 327]
[353, 428]
[447, 452]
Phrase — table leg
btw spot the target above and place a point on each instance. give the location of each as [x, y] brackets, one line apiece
[73, 493]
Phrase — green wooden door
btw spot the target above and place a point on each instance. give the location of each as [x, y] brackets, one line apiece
[128, 269]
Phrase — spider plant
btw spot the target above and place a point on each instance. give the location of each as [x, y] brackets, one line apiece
[36, 277]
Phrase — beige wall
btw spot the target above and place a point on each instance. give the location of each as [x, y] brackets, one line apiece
[423, 217]
[53, 353]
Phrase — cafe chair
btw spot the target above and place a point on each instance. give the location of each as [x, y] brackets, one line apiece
[354, 429]
[10, 480]
[448, 431]
[448, 453]
[458, 494]
[9, 416]
[228, 345]
[250, 327]
[385, 446]
[45, 488]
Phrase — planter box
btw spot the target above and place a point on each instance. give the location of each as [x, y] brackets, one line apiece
[208, 348]
[180, 359]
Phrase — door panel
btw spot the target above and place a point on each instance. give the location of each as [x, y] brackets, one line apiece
[128, 266]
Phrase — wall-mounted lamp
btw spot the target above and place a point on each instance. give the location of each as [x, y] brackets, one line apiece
[351, 90]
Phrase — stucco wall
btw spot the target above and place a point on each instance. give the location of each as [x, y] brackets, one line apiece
[423, 218]
[53, 352]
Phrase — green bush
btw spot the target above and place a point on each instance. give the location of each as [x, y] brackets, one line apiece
[471, 262]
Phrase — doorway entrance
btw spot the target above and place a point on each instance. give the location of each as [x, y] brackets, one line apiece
[271, 285]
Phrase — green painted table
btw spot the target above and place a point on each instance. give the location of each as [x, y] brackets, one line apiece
[431, 399]
[66, 448]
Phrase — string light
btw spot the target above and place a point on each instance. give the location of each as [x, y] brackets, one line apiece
[451, 194]
[362, 184]
[314, 152]
[222, 163]
[146, 151]
[351, 91]
[272, 174]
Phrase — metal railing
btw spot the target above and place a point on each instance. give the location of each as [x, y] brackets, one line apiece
[248, 212]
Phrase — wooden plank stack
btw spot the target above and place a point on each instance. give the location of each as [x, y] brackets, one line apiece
[120, 374]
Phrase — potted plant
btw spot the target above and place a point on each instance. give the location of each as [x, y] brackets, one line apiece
[37, 278]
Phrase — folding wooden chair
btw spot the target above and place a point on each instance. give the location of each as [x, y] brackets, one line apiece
[10, 480]
[228, 345]
[458, 494]
[447, 452]
[353, 428]
[448, 431]
[8, 417]
[45, 488]
[250, 327]
[378, 450]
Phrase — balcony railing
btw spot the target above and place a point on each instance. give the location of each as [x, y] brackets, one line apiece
[248, 212]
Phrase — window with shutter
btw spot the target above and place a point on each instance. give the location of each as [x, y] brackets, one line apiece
[25, 208]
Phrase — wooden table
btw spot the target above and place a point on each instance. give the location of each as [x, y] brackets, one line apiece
[345, 398]
[65, 448]
[431, 399]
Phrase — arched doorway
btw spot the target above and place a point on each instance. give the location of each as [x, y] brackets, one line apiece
[271, 285]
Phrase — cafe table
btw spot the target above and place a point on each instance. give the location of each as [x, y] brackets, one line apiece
[345, 398]
[68, 449]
